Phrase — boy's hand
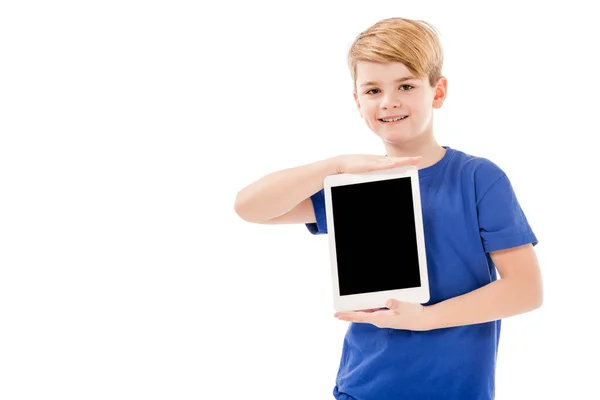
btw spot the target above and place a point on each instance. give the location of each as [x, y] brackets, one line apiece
[358, 163]
[399, 315]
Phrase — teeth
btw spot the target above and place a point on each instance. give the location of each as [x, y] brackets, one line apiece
[393, 119]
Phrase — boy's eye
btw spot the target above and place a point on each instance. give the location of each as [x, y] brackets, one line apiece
[402, 87]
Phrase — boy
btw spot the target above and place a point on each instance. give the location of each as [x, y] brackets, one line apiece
[446, 348]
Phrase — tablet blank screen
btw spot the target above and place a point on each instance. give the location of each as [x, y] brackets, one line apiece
[375, 236]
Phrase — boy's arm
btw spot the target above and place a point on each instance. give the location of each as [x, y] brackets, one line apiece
[518, 291]
[284, 196]
[509, 240]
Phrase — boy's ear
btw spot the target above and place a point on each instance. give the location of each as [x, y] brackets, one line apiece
[440, 92]
[356, 101]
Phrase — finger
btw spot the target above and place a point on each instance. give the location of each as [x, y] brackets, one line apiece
[379, 318]
[357, 316]
[394, 162]
[405, 160]
[392, 304]
[367, 310]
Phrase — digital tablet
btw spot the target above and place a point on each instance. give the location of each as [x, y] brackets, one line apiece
[376, 240]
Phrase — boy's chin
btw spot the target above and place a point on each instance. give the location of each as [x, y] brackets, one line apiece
[395, 139]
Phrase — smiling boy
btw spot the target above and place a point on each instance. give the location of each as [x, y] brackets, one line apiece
[473, 225]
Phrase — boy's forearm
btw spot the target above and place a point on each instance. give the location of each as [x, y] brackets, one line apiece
[277, 193]
[499, 299]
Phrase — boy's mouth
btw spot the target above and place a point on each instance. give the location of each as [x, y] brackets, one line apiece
[393, 119]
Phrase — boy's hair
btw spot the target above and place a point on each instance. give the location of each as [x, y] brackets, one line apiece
[413, 43]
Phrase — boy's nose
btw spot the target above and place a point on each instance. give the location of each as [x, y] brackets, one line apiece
[390, 102]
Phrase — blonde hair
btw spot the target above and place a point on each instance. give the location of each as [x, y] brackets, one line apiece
[413, 43]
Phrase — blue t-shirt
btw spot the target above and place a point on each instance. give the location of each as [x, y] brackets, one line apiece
[469, 210]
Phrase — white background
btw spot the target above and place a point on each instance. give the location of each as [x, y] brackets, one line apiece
[127, 129]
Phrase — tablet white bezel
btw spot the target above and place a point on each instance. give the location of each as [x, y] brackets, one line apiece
[377, 299]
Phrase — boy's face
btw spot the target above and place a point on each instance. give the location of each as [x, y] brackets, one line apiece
[397, 106]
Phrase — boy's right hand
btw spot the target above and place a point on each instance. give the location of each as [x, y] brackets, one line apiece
[358, 163]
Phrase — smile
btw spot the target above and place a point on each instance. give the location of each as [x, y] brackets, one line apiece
[394, 119]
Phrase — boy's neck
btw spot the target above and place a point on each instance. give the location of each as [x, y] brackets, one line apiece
[429, 149]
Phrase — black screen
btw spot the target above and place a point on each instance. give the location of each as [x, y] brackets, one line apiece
[375, 236]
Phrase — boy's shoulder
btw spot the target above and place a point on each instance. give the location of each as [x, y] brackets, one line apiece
[478, 166]
[478, 172]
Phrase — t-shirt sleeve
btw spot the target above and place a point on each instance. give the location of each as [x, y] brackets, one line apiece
[318, 201]
[502, 222]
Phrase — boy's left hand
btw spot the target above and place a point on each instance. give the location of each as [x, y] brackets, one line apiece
[399, 315]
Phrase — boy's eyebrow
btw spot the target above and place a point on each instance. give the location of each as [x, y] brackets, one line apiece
[373, 83]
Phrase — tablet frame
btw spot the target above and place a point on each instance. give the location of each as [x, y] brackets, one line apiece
[377, 299]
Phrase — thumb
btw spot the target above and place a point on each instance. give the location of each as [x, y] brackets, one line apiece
[392, 304]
